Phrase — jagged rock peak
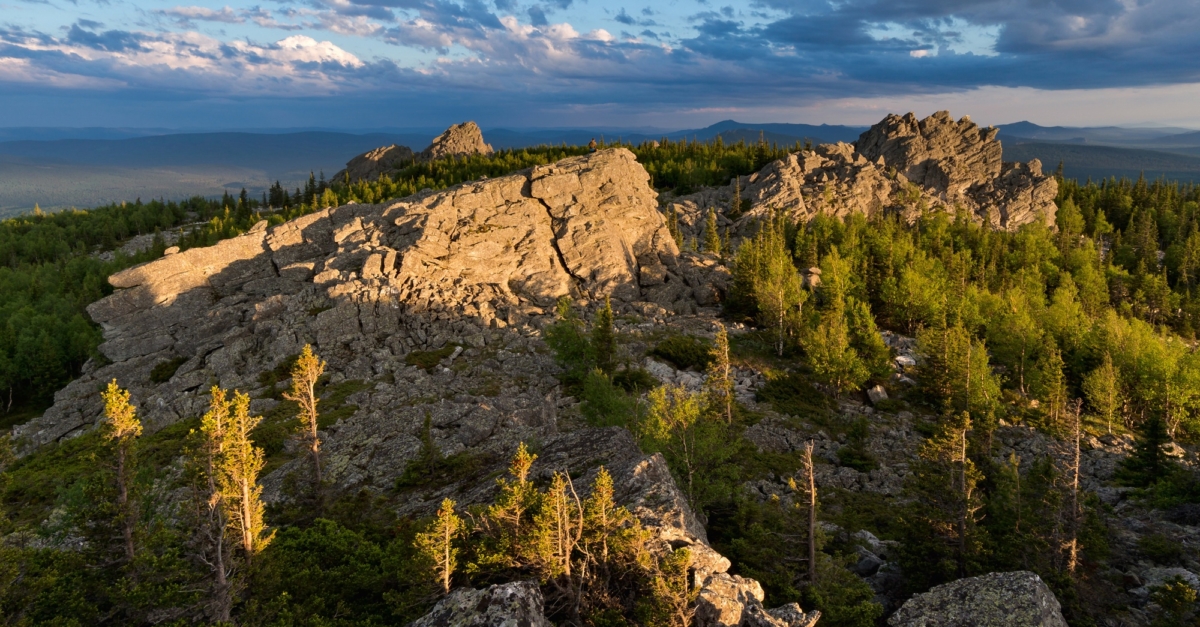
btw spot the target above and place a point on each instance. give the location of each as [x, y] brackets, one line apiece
[459, 139]
[1016, 599]
[901, 165]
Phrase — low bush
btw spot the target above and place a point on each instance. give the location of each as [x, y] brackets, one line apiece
[684, 352]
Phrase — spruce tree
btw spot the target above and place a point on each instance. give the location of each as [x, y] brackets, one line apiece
[712, 237]
[604, 342]
[1147, 464]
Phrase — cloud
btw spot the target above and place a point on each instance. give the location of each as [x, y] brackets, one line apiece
[511, 53]
[187, 16]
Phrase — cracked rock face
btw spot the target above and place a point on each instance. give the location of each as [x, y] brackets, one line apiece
[516, 604]
[1017, 599]
[368, 284]
[901, 165]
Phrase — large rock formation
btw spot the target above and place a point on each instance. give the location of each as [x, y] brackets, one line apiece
[369, 284]
[371, 164]
[1017, 599]
[900, 165]
[458, 140]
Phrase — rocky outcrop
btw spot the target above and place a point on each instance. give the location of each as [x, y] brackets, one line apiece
[900, 165]
[516, 604]
[1017, 599]
[480, 264]
[959, 164]
[458, 140]
[370, 165]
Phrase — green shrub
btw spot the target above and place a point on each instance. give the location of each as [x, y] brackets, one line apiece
[854, 454]
[684, 352]
[164, 370]
[604, 404]
[427, 360]
[634, 380]
[1160, 549]
[790, 393]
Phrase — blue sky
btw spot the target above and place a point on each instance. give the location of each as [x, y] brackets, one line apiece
[543, 63]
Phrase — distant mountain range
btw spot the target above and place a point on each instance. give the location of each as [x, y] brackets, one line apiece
[64, 167]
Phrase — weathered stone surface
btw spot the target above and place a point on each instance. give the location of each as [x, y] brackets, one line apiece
[368, 284]
[460, 139]
[1016, 599]
[516, 604]
[901, 165]
[369, 165]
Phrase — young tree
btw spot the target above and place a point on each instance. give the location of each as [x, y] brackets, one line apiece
[211, 516]
[241, 462]
[719, 377]
[436, 543]
[305, 373]
[1102, 388]
[673, 423]
[506, 522]
[833, 360]
[712, 237]
[559, 526]
[604, 343]
[122, 428]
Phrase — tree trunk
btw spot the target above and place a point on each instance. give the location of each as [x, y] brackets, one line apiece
[962, 518]
[1073, 521]
[812, 513]
[123, 503]
[247, 532]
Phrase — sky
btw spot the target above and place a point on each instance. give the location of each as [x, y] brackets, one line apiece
[666, 64]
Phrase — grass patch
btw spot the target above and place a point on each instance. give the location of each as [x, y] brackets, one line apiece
[164, 370]
[426, 360]
[21, 415]
[685, 352]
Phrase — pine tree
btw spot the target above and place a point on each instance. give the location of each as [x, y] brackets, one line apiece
[305, 373]
[122, 428]
[604, 339]
[241, 462]
[1147, 464]
[436, 544]
[719, 377]
[833, 360]
[712, 237]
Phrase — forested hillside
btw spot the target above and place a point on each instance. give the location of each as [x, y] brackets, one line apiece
[1053, 336]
